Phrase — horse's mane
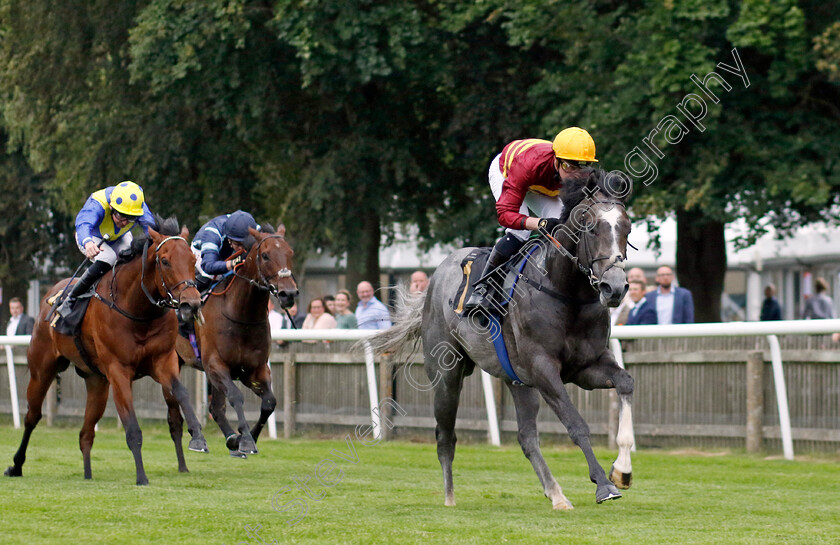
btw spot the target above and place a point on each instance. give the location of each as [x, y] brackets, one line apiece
[612, 185]
[168, 227]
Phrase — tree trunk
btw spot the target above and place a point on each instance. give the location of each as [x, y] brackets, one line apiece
[701, 262]
[363, 257]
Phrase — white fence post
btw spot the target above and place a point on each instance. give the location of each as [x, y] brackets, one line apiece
[10, 364]
[272, 418]
[490, 403]
[781, 396]
[374, 398]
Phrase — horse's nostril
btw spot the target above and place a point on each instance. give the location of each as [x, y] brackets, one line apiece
[606, 289]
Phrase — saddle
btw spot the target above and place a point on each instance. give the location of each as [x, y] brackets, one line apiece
[72, 324]
[473, 264]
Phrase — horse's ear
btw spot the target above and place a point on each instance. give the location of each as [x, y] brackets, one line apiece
[254, 233]
[154, 234]
[281, 230]
[185, 233]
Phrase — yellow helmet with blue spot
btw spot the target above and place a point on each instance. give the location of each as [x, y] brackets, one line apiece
[127, 199]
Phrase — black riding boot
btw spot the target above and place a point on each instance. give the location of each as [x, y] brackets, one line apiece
[493, 274]
[91, 275]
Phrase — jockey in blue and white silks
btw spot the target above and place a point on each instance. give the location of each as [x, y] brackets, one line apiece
[108, 214]
[218, 240]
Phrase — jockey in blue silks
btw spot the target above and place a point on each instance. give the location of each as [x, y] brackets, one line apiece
[109, 214]
[219, 239]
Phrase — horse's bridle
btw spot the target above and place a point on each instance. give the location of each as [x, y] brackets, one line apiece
[263, 283]
[615, 260]
[171, 301]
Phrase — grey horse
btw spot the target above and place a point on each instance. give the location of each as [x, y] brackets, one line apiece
[556, 328]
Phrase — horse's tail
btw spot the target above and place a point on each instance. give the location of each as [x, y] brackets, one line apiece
[404, 335]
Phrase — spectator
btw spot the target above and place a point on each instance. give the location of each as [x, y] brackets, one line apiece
[19, 323]
[619, 314]
[819, 306]
[371, 313]
[673, 305]
[643, 311]
[275, 319]
[419, 282]
[296, 318]
[770, 309]
[318, 317]
[329, 300]
[343, 316]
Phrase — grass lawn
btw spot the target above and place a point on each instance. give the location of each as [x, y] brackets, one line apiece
[392, 493]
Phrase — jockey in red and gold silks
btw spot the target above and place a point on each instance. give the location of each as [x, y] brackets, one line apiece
[527, 177]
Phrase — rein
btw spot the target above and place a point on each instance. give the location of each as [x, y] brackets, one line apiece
[262, 284]
[615, 260]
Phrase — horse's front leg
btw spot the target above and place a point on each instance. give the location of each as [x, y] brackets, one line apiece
[168, 374]
[260, 383]
[124, 400]
[606, 373]
[527, 403]
[219, 375]
[547, 380]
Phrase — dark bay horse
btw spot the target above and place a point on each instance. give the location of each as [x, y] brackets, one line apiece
[556, 329]
[128, 332]
[235, 338]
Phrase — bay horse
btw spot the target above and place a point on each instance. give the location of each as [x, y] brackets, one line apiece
[127, 332]
[234, 340]
[556, 329]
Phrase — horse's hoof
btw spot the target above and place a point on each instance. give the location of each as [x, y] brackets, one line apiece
[564, 505]
[232, 441]
[13, 471]
[619, 479]
[606, 492]
[237, 454]
[248, 446]
[198, 445]
[143, 482]
[183, 470]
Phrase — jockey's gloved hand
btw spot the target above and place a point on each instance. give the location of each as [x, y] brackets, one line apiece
[549, 224]
[236, 261]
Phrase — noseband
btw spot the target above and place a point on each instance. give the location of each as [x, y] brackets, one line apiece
[263, 283]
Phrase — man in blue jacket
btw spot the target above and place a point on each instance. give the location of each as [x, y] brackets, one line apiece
[643, 313]
[673, 305]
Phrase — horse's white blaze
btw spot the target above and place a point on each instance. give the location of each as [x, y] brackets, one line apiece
[612, 216]
[624, 439]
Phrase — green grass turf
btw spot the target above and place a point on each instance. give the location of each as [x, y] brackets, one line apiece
[393, 494]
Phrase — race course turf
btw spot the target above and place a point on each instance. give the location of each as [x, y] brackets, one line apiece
[392, 493]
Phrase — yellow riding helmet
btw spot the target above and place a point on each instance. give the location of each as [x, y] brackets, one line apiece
[574, 144]
[127, 198]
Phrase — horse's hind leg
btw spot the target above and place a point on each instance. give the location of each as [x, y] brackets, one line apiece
[447, 394]
[42, 371]
[527, 402]
[176, 426]
[260, 384]
[97, 399]
[607, 374]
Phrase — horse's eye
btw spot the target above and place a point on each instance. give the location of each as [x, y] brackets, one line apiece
[265, 256]
[164, 262]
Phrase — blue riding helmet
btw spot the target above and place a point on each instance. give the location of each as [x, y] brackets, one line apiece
[237, 224]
